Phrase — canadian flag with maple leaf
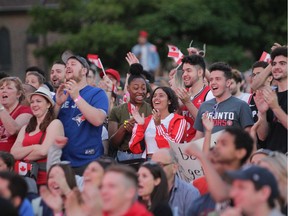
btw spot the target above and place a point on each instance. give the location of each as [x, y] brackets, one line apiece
[22, 168]
[175, 53]
[95, 60]
[265, 57]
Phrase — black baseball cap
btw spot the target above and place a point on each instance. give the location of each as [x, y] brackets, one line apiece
[259, 176]
[69, 54]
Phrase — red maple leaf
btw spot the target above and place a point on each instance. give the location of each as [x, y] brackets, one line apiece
[22, 168]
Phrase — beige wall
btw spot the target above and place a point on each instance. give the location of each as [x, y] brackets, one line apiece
[22, 55]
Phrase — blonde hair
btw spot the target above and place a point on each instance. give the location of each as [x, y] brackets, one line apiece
[278, 163]
[18, 85]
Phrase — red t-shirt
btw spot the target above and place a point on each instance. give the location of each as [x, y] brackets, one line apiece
[137, 209]
[197, 101]
[7, 140]
[31, 140]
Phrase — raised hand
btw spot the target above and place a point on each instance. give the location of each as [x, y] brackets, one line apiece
[131, 58]
[275, 45]
[156, 116]
[61, 95]
[73, 203]
[72, 88]
[54, 201]
[183, 95]
[84, 204]
[207, 122]
[172, 73]
[270, 98]
[192, 51]
[140, 119]
[108, 82]
[192, 149]
[261, 104]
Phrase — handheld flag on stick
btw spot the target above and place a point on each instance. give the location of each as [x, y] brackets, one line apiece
[101, 66]
[96, 60]
[175, 53]
[265, 57]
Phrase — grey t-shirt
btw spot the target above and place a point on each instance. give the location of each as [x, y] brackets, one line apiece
[231, 112]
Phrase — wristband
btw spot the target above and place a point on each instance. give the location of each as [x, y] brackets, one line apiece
[77, 99]
[58, 214]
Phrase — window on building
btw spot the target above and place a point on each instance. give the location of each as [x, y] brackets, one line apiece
[5, 50]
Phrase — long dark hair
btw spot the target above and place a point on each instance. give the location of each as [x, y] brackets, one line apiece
[174, 104]
[68, 172]
[160, 192]
[49, 117]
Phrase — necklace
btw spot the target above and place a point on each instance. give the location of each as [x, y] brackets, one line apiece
[199, 92]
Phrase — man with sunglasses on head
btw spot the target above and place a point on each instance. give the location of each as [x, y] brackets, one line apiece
[195, 91]
[224, 109]
[182, 194]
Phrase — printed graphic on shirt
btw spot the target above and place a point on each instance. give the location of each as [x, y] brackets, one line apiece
[222, 118]
[79, 119]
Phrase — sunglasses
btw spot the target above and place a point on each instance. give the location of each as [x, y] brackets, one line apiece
[200, 52]
[214, 111]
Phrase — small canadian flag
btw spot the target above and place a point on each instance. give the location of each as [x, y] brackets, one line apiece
[23, 168]
[265, 57]
[95, 60]
[175, 53]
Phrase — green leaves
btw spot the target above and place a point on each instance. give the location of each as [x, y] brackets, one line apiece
[234, 31]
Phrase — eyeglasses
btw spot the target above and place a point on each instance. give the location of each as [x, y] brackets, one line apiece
[214, 111]
[164, 164]
[154, 163]
[149, 162]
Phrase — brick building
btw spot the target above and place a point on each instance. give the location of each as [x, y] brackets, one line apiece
[16, 44]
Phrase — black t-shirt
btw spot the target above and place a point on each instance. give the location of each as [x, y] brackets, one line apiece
[277, 136]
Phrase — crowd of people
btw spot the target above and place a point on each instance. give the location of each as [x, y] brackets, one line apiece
[76, 145]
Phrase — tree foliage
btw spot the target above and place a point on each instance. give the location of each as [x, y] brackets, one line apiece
[235, 31]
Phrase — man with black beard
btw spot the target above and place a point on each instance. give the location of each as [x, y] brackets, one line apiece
[57, 74]
[195, 91]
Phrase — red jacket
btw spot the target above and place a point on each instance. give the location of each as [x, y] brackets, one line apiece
[176, 133]
[136, 209]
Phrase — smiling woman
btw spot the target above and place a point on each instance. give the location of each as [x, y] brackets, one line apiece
[34, 140]
[162, 126]
[60, 182]
[121, 121]
[13, 115]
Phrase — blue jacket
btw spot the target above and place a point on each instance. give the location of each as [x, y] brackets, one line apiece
[152, 56]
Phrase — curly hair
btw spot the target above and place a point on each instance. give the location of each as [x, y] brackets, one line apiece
[174, 104]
